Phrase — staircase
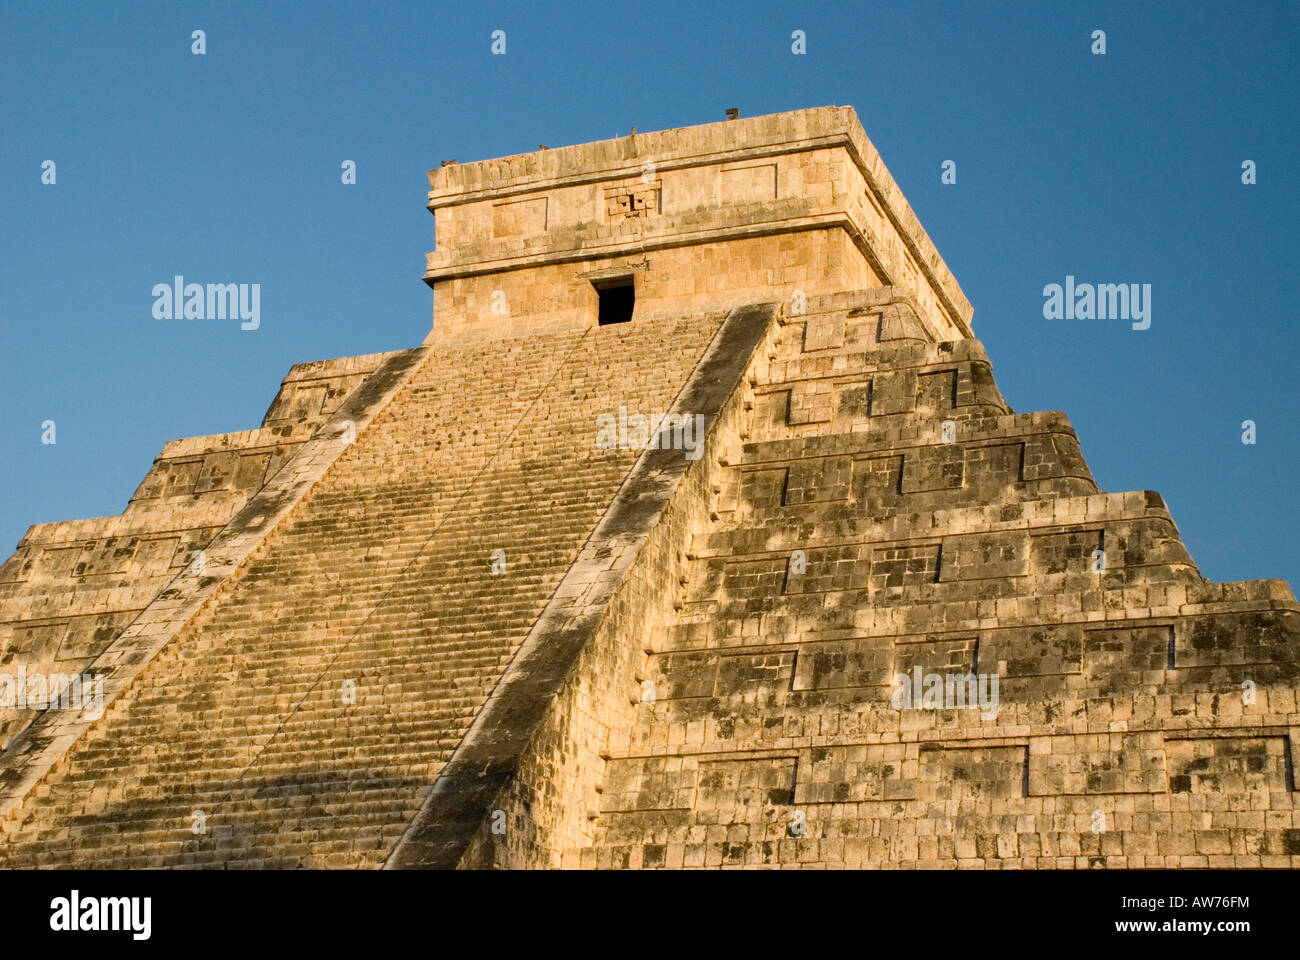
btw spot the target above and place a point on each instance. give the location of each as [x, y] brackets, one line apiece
[302, 722]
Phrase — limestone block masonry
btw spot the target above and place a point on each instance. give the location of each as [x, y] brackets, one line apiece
[768, 576]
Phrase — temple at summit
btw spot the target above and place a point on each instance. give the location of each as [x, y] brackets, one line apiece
[696, 533]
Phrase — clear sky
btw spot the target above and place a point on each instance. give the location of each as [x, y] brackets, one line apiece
[1117, 168]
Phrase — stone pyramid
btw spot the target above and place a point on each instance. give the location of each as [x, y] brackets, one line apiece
[767, 575]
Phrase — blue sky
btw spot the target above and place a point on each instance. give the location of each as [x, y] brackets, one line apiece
[226, 168]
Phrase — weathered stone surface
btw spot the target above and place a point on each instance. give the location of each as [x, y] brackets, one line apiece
[438, 622]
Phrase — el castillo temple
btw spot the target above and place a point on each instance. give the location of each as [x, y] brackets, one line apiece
[696, 533]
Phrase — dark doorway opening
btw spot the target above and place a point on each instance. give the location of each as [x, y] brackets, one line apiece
[616, 300]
